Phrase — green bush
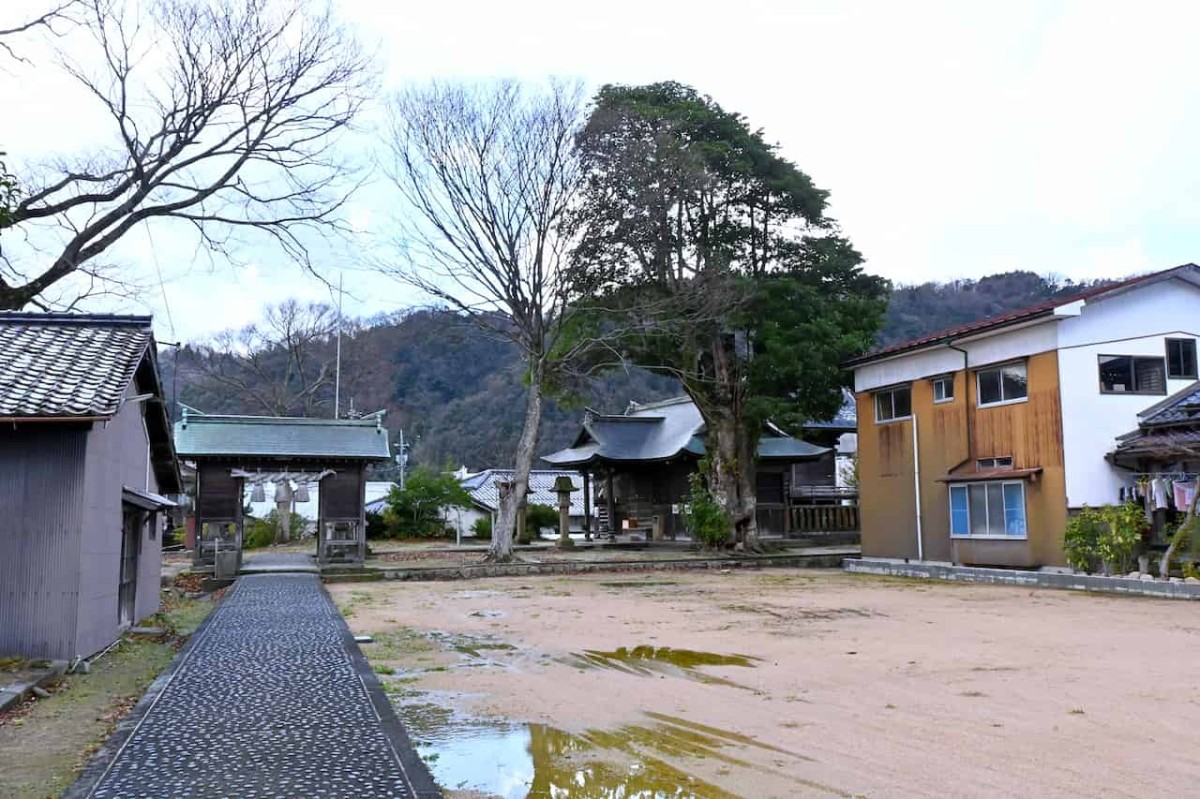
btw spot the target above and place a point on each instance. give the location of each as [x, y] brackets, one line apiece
[706, 520]
[376, 526]
[1119, 542]
[1107, 536]
[416, 511]
[482, 527]
[263, 532]
[540, 517]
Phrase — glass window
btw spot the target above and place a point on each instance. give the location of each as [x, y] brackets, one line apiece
[991, 509]
[960, 517]
[994, 463]
[1181, 358]
[895, 403]
[943, 389]
[1127, 374]
[1014, 509]
[1002, 384]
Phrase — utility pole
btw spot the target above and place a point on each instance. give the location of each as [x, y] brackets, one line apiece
[337, 371]
[403, 458]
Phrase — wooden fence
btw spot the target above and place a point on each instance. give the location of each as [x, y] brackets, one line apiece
[824, 518]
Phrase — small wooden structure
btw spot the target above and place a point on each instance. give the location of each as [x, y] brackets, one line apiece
[230, 451]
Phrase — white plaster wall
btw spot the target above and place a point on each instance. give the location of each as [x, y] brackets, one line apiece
[376, 489]
[1136, 322]
[995, 348]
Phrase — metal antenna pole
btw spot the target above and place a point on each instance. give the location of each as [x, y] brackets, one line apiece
[337, 371]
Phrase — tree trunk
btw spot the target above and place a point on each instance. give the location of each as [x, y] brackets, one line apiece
[731, 477]
[502, 533]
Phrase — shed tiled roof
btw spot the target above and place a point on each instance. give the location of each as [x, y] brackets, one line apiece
[68, 365]
[1181, 408]
[1019, 315]
[483, 489]
[281, 437]
[659, 431]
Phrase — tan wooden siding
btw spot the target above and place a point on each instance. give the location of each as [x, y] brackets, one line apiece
[1030, 432]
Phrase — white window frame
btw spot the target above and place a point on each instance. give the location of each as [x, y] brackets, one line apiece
[979, 403]
[947, 380]
[991, 463]
[989, 536]
[891, 392]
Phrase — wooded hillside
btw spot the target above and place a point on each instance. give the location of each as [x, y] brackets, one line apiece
[458, 392]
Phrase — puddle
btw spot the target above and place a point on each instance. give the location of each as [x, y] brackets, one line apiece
[649, 661]
[535, 761]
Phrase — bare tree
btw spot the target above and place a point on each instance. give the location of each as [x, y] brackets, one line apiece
[57, 17]
[223, 115]
[488, 174]
[283, 367]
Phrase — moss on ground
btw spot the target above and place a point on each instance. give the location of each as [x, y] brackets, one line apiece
[44, 743]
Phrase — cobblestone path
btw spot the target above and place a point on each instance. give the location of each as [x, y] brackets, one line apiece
[271, 698]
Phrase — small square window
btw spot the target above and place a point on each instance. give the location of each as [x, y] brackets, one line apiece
[943, 388]
[984, 464]
[894, 403]
[1181, 358]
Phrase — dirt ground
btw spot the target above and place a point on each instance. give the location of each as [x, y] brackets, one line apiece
[847, 685]
[45, 742]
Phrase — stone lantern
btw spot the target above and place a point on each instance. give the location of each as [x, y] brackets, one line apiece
[564, 487]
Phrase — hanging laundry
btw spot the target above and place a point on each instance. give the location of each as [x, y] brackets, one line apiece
[1184, 493]
[1158, 489]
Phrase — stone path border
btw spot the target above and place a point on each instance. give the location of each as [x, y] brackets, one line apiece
[824, 558]
[270, 697]
[1158, 589]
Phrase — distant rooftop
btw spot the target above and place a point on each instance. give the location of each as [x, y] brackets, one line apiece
[203, 435]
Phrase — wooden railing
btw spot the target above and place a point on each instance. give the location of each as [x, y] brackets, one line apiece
[824, 518]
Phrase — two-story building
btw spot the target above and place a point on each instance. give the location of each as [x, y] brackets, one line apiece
[976, 442]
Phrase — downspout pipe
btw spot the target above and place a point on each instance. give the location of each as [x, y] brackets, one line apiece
[969, 415]
[917, 487]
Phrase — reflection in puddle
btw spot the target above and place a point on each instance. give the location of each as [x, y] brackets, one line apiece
[532, 761]
[650, 660]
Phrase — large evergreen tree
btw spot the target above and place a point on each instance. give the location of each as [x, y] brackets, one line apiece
[716, 256]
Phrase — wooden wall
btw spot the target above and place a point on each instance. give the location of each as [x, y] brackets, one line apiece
[1030, 432]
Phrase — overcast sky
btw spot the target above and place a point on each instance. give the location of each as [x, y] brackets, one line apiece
[956, 139]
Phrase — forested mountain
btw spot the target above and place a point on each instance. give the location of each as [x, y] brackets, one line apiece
[458, 392]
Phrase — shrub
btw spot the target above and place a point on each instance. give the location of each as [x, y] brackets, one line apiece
[706, 520]
[376, 526]
[540, 517]
[1081, 542]
[416, 511]
[1124, 525]
[1107, 536]
[264, 532]
[482, 527]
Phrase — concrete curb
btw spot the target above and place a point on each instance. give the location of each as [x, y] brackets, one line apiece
[820, 560]
[414, 769]
[16, 692]
[1157, 589]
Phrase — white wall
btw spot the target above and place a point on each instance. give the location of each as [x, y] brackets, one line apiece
[376, 489]
[995, 348]
[1133, 323]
